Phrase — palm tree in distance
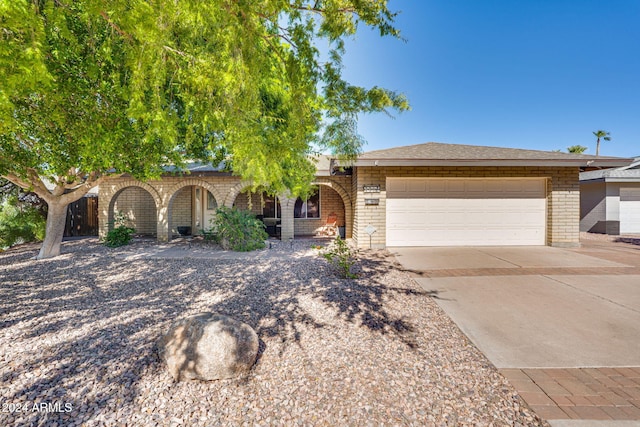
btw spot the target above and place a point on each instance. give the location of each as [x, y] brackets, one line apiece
[601, 134]
[576, 149]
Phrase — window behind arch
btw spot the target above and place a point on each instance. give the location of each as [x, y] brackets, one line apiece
[308, 208]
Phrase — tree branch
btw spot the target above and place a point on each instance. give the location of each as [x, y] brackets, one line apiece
[34, 184]
[115, 26]
[322, 11]
[17, 181]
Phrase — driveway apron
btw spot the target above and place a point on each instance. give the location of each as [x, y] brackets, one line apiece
[563, 325]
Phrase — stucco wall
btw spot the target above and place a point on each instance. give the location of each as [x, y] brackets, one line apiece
[600, 206]
[563, 197]
[593, 213]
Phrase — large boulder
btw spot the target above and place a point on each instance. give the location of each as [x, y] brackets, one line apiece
[208, 346]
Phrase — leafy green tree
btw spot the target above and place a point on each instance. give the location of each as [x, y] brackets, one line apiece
[20, 220]
[577, 149]
[91, 89]
[606, 136]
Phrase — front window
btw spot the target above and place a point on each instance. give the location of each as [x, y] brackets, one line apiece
[271, 208]
[308, 208]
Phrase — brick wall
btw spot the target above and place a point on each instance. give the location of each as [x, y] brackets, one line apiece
[563, 197]
[242, 202]
[181, 210]
[172, 197]
[356, 211]
[330, 202]
[139, 207]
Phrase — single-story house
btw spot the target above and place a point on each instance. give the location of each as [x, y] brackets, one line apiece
[429, 194]
[610, 200]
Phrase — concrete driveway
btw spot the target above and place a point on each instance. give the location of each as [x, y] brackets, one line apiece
[535, 306]
[563, 325]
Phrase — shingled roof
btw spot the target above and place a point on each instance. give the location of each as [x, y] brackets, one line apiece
[626, 173]
[434, 153]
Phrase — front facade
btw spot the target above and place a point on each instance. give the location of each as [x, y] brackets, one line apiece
[423, 195]
[161, 208]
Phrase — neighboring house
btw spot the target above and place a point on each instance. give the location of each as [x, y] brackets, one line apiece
[610, 200]
[421, 195]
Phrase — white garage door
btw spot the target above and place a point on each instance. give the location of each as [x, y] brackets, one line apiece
[466, 212]
[629, 210]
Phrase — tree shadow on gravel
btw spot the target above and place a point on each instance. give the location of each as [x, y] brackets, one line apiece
[81, 328]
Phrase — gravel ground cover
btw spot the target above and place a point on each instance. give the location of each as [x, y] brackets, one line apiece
[77, 337]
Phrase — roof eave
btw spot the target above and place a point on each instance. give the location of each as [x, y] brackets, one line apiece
[492, 162]
[622, 179]
[592, 180]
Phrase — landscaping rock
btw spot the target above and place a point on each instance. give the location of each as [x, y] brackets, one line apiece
[208, 346]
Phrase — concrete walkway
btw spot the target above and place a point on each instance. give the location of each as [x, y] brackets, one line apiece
[185, 249]
[563, 325]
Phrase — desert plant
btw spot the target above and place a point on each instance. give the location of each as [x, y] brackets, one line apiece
[238, 230]
[342, 257]
[121, 234]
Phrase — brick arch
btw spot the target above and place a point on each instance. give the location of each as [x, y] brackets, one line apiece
[233, 192]
[191, 182]
[170, 194]
[135, 183]
[115, 192]
[346, 200]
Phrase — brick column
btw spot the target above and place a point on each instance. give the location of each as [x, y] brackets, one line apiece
[287, 203]
[162, 230]
[104, 200]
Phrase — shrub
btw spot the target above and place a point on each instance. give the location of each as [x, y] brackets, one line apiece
[121, 234]
[20, 224]
[342, 257]
[209, 234]
[238, 230]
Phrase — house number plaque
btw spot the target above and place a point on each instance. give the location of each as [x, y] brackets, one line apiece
[373, 188]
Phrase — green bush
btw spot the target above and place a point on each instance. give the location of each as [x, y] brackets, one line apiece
[121, 234]
[20, 224]
[209, 234]
[238, 230]
[342, 257]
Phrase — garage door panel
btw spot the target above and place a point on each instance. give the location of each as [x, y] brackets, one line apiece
[469, 212]
[629, 210]
[474, 187]
[416, 186]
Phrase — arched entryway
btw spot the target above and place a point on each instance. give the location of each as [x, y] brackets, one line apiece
[338, 201]
[307, 217]
[191, 208]
[138, 204]
[264, 206]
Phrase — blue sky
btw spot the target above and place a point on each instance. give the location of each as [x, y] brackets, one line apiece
[535, 74]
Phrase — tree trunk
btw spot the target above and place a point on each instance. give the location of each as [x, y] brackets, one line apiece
[56, 219]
